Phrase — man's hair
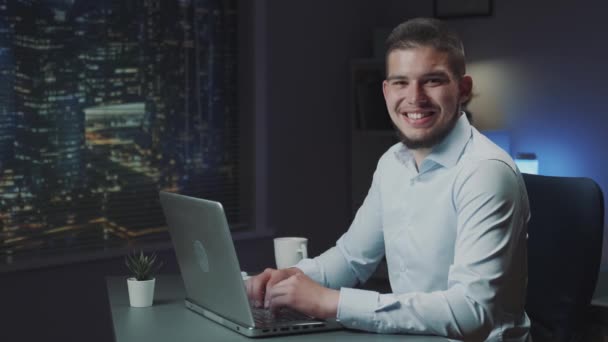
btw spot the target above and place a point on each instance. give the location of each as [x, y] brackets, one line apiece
[428, 32]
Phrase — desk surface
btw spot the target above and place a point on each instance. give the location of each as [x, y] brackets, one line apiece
[169, 320]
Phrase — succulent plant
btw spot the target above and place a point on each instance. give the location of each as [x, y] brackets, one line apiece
[143, 267]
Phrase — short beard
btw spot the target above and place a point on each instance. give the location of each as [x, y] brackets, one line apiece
[430, 141]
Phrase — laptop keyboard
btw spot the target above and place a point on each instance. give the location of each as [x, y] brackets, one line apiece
[265, 317]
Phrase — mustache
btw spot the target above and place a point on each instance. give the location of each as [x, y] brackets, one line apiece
[402, 106]
[408, 109]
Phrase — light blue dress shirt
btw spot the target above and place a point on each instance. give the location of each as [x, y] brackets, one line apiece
[454, 236]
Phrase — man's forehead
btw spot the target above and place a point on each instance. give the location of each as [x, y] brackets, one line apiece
[418, 60]
[427, 52]
[427, 49]
[405, 76]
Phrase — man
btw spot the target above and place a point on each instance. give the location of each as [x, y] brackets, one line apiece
[447, 208]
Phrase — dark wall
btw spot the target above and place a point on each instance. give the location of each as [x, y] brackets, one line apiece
[309, 49]
[66, 303]
[310, 46]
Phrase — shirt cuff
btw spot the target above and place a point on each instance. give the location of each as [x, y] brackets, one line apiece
[356, 307]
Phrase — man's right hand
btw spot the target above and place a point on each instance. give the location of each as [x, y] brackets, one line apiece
[259, 285]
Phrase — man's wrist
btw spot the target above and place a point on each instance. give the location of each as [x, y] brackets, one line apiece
[330, 301]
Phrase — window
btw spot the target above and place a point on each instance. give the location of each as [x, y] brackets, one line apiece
[103, 104]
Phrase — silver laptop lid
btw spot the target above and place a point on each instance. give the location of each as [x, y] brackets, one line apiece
[206, 256]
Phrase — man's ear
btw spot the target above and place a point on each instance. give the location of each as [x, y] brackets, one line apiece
[466, 88]
[384, 86]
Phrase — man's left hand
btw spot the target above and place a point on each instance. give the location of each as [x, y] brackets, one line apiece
[303, 294]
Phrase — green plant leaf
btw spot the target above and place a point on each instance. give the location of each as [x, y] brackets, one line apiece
[142, 267]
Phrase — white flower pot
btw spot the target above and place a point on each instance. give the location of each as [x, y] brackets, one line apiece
[141, 293]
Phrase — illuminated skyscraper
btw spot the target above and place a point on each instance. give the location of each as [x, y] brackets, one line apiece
[157, 81]
[49, 139]
[122, 175]
[198, 80]
[152, 34]
[110, 55]
[7, 76]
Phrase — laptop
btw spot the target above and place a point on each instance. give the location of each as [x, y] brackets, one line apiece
[212, 275]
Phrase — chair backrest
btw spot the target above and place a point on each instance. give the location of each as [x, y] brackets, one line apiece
[564, 254]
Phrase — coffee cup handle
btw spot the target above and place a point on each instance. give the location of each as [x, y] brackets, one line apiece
[302, 250]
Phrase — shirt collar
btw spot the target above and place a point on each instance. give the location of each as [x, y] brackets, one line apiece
[405, 156]
[447, 152]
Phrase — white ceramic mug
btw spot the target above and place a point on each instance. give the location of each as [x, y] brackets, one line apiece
[288, 251]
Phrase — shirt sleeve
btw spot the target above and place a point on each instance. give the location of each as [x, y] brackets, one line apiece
[492, 213]
[357, 252]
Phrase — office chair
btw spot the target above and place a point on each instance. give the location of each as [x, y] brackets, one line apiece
[564, 254]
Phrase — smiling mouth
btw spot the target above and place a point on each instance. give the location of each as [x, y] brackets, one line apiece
[417, 116]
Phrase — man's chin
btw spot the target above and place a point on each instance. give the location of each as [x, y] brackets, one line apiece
[424, 142]
[416, 144]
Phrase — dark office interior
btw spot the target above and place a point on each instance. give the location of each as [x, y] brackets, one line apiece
[540, 71]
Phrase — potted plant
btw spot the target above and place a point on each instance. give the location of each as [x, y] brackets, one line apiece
[141, 284]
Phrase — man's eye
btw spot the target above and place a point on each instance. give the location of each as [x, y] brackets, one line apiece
[399, 83]
[435, 81]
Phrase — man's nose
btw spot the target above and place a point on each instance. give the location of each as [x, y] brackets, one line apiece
[415, 94]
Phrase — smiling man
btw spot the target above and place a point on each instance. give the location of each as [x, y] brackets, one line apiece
[447, 208]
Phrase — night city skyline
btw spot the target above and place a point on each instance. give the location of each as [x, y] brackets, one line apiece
[103, 104]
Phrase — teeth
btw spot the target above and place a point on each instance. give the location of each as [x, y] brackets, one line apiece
[416, 116]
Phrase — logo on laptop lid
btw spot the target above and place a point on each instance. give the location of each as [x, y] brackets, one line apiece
[201, 256]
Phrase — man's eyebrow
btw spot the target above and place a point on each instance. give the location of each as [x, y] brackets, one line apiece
[441, 74]
[436, 74]
[396, 77]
